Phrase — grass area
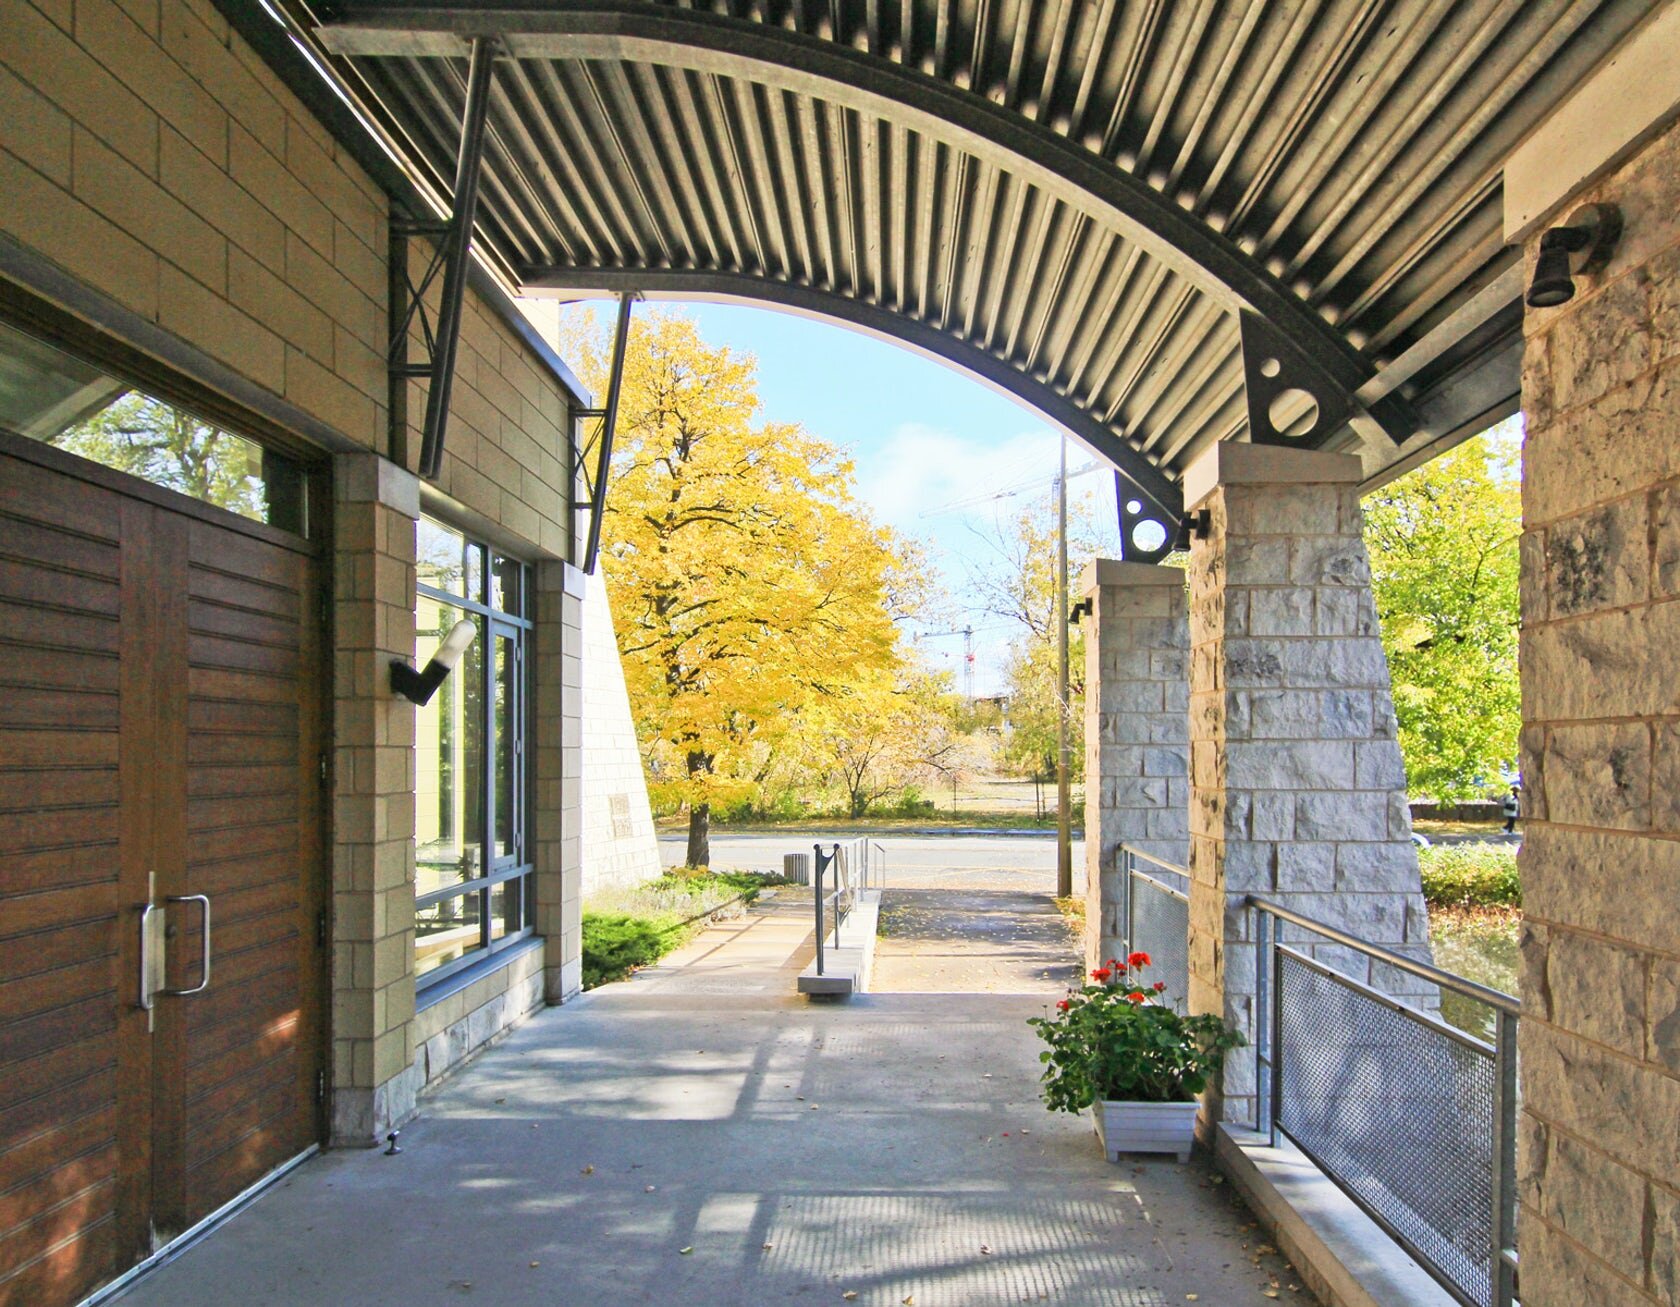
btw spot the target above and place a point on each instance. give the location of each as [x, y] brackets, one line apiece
[1073, 908]
[1480, 944]
[634, 926]
[830, 825]
[1435, 826]
[1470, 876]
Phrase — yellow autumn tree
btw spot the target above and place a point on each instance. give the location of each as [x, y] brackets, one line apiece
[746, 580]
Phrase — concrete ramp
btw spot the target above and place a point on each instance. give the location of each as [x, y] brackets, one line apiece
[848, 959]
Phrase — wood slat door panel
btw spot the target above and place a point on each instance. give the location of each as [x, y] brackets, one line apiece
[160, 719]
[251, 1043]
[69, 885]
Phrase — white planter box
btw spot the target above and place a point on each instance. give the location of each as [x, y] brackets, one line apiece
[1127, 1127]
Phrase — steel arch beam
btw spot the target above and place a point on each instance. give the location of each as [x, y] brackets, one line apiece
[809, 65]
[885, 324]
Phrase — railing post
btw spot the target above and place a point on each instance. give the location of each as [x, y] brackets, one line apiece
[1503, 1186]
[1126, 865]
[1264, 1039]
[816, 891]
[1275, 969]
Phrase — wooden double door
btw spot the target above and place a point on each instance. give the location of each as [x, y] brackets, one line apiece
[161, 883]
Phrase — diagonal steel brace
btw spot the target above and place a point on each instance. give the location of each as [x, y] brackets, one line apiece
[457, 249]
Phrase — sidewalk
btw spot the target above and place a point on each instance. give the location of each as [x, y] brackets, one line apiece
[700, 1136]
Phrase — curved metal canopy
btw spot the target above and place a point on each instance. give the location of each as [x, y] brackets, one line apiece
[1079, 200]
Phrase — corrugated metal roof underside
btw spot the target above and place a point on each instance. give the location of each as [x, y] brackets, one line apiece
[1351, 148]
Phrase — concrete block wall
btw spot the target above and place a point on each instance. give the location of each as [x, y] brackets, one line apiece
[149, 153]
[1136, 733]
[620, 846]
[376, 504]
[1600, 1035]
[1297, 787]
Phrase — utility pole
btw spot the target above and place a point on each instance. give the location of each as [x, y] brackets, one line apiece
[1064, 797]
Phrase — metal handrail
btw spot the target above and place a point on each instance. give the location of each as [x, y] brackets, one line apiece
[1494, 998]
[1161, 885]
[1502, 1051]
[1159, 862]
[854, 873]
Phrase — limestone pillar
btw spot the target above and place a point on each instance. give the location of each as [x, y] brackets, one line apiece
[1136, 732]
[559, 779]
[1599, 1041]
[1297, 789]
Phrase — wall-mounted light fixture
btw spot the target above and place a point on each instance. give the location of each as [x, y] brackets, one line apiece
[1083, 608]
[1583, 244]
[419, 687]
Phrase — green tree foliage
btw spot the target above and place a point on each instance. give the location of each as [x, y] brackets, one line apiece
[1443, 545]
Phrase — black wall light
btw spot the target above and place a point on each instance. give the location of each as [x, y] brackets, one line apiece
[419, 687]
[1583, 244]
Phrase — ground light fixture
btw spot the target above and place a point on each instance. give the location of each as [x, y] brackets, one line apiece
[1583, 244]
[419, 687]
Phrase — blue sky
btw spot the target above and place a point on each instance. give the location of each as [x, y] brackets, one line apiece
[934, 448]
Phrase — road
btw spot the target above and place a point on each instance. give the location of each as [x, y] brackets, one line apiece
[991, 861]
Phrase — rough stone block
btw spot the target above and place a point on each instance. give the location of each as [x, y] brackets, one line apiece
[1662, 1013]
[1337, 817]
[1328, 561]
[1282, 611]
[1595, 1202]
[1599, 775]
[1303, 866]
[1599, 560]
[1291, 765]
[1385, 866]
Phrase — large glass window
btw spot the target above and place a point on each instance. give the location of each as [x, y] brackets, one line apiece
[60, 400]
[472, 865]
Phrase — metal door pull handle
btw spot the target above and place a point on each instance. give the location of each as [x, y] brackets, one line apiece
[203, 900]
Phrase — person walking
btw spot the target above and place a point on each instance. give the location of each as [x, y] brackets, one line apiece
[1512, 804]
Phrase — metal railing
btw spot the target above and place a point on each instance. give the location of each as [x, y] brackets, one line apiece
[1414, 1119]
[1155, 918]
[857, 864]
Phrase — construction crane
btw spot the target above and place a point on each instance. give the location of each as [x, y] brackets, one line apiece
[967, 634]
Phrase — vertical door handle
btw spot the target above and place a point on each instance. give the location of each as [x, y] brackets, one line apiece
[203, 900]
[146, 977]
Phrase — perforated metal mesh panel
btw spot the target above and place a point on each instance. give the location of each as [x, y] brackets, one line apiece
[1396, 1110]
[1161, 928]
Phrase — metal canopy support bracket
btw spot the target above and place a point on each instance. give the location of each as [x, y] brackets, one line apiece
[1149, 530]
[594, 485]
[1291, 400]
[454, 250]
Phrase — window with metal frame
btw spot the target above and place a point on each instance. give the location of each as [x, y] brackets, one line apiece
[54, 397]
[473, 881]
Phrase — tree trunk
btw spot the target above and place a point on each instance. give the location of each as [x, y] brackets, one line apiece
[700, 835]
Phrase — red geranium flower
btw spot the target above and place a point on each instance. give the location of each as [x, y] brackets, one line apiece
[1101, 973]
[1062, 1006]
[1137, 996]
[1160, 985]
[1138, 960]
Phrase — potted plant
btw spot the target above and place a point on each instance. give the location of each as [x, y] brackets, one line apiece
[1117, 1048]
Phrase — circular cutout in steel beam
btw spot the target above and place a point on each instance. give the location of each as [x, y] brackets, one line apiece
[1293, 413]
[1149, 536]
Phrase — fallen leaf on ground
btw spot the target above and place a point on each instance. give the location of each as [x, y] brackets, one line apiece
[686, 1251]
[849, 1294]
[588, 1170]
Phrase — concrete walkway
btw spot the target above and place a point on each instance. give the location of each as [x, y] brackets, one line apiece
[968, 940]
[700, 1136]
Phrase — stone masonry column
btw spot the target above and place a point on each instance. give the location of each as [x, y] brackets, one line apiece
[1137, 639]
[376, 504]
[1297, 789]
[1599, 1040]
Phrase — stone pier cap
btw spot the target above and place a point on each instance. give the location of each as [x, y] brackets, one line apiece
[1113, 571]
[1230, 464]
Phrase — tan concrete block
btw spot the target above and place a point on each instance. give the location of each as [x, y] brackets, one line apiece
[55, 224]
[109, 184]
[260, 292]
[1621, 444]
[1596, 990]
[34, 129]
[390, 1056]
[134, 58]
[327, 396]
[210, 322]
[204, 187]
[81, 86]
[195, 35]
[1599, 775]
[255, 165]
[1598, 560]
[1601, 1096]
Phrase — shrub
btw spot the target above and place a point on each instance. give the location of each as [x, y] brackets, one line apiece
[1470, 875]
[1115, 1038]
[615, 944]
